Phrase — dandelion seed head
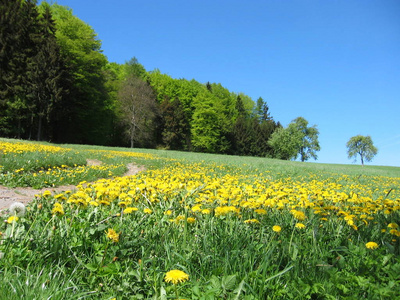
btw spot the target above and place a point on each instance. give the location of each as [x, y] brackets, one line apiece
[17, 209]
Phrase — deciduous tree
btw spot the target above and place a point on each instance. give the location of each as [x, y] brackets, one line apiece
[363, 146]
[138, 109]
[296, 139]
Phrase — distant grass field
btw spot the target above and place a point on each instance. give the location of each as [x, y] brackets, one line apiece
[196, 226]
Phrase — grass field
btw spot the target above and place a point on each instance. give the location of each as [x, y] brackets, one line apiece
[196, 226]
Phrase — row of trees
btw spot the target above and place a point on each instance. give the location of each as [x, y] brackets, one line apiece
[57, 85]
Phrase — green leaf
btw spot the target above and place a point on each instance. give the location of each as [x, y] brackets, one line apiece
[228, 282]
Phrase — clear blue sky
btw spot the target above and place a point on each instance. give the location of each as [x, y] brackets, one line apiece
[335, 63]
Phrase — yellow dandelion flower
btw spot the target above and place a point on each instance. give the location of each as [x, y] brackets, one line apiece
[371, 245]
[191, 220]
[299, 215]
[147, 211]
[12, 219]
[300, 226]
[46, 193]
[394, 232]
[206, 211]
[252, 221]
[196, 208]
[176, 276]
[261, 211]
[130, 210]
[112, 235]
[277, 228]
[58, 209]
[393, 225]
[168, 212]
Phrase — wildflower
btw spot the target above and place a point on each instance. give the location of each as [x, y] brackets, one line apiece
[393, 225]
[252, 221]
[12, 219]
[168, 212]
[371, 245]
[46, 193]
[58, 209]
[129, 210]
[394, 232]
[299, 215]
[191, 220]
[176, 276]
[206, 211]
[300, 226]
[112, 235]
[261, 211]
[277, 228]
[17, 209]
[147, 211]
[196, 208]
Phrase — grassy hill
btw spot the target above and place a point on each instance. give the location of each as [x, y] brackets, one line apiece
[196, 226]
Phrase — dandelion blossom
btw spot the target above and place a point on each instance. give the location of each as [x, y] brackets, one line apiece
[58, 209]
[129, 210]
[252, 221]
[147, 211]
[277, 228]
[191, 220]
[176, 276]
[300, 226]
[299, 215]
[112, 235]
[46, 193]
[12, 219]
[17, 209]
[371, 245]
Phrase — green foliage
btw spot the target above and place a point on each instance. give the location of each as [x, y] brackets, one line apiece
[363, 146]
[296, 139]
[32, 68]
[87, 112]
[138, 110]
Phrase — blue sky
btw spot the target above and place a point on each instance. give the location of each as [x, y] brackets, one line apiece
[336, 63]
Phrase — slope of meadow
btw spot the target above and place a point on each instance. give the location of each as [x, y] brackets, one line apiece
[196, 226]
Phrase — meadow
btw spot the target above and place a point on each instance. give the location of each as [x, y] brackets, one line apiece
[196, 226]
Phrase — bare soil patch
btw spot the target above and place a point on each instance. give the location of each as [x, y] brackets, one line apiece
[27, 194]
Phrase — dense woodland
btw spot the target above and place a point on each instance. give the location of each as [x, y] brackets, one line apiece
[57, 85]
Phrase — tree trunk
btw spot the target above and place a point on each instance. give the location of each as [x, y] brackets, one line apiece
[39, 133]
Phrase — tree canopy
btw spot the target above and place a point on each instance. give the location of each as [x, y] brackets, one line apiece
[363, 146]
[298, 139]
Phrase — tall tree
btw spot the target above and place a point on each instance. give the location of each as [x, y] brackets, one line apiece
[363, 146]
[296, 139]
[18, 23]
[285, 142]
[87, 111]
[133, 67]
[45, 72]
[138, 110]
[176, 128]
[309, 143]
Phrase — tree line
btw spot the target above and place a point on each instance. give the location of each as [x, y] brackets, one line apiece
[57, 85]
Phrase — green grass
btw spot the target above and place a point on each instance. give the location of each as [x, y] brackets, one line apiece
[45, 255]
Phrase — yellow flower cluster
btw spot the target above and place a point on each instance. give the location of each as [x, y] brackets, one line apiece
[112, 235]
[201, 190]
[20, 148]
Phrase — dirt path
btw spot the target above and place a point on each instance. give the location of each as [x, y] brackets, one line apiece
[27, 194]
